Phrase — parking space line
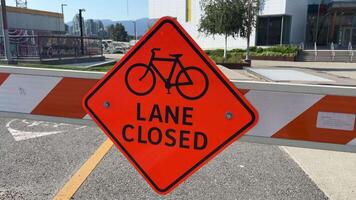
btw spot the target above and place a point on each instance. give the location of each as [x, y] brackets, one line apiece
[69, 189]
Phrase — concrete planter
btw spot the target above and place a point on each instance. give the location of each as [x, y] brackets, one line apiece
[235, 65]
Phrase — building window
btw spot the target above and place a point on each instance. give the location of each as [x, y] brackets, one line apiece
[331, 22]
[188, 10]
[272, 30]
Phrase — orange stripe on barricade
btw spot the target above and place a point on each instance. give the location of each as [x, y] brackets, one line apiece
[243, 91]
[65, 99]
[3, 77]
[304, 127]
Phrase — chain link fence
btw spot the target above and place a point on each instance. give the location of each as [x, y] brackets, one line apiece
[51, 47]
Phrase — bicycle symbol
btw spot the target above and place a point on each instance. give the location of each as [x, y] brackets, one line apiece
[191, 82]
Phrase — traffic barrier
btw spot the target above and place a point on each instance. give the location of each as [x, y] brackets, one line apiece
[311, 116]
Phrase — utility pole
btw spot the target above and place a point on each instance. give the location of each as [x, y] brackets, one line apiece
[81, 30]
[6, 33]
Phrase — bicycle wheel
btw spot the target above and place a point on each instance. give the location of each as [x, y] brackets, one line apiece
[195, 89]
[140, 79]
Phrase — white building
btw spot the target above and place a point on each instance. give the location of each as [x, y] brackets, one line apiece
[286, 19]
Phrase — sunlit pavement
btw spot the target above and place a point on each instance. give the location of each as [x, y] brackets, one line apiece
[39, 165]
[333, 172]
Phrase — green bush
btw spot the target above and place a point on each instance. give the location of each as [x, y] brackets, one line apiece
[238, 50]
[287, 49]
[216, 52]
[231, 58]
[237, 55]
[259, 50]
[253, 49]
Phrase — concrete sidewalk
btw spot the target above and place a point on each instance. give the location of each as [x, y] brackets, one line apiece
[340, 73]
[333, 172]
[333, 66]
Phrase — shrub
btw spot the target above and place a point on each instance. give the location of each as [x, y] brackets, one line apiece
[253, 49]
[259, 50]
[236, 55]
[283, 49]
[238, 50]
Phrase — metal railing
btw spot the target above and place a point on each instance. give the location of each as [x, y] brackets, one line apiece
[351, 52]
[315, 51]
[331, 52]
[51, 47]
[332, 48]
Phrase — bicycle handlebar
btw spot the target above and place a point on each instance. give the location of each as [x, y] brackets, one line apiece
[155, 49]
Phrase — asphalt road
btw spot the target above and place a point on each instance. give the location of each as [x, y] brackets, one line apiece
[36, 168]
[38, 158]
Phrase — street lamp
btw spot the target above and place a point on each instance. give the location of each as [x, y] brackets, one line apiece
[62, 5]
[81, 30]
[134, 22]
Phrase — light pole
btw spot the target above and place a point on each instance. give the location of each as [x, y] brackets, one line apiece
[6, 33]
[317, 24]
[62, 5]
[134, 22]
[81, 30]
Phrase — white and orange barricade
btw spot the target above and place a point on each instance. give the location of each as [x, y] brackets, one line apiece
[311, 116]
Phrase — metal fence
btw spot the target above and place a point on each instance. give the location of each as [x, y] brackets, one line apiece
[51, 47]
[330, 53]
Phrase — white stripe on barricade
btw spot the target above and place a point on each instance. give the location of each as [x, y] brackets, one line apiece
[287, 105]
[22, 93]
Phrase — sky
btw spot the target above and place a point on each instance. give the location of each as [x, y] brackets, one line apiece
[95, 9]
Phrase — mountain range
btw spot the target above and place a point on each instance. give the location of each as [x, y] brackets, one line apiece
[142, 25]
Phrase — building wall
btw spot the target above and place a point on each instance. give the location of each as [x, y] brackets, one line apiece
[177, 8]
[28, 19]
[174, 8]
[274, 7]
[297, 9]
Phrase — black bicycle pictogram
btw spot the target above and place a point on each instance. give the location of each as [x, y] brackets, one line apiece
[140, 78]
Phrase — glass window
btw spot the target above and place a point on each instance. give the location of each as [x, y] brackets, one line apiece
[269, 30]
[330, 22]
[274, 32]
[262, 31]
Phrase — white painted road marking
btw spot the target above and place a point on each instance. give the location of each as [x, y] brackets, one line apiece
[27, 129]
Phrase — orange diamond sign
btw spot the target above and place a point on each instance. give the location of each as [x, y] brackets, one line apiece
[167, 107]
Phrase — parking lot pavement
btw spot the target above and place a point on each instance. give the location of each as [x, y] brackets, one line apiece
[36, 167]
[39, 163]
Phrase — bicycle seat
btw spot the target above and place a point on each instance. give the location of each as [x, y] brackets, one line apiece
[176, 55]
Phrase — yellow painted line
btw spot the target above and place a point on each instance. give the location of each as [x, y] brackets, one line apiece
[81, 175]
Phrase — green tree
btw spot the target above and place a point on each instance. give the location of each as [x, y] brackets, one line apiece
[249, 18]
[221, 17]
[117, 32]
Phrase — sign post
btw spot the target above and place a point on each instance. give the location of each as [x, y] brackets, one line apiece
[168, 107]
